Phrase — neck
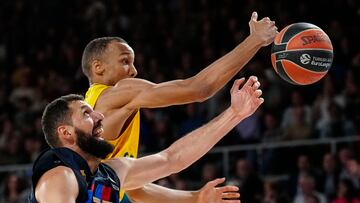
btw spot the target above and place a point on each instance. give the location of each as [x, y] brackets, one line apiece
[92, 161]
[99, 80]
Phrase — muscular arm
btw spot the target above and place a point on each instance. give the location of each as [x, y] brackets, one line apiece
[57, 185]
[135, 173]
[210, 193]
[133, 93]
[119, 102]
[152, 193]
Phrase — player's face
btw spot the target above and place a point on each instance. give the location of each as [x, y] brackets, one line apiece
[86, 119]
[88, 129]
[119, 62]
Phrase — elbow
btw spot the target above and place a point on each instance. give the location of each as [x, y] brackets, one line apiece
[203, 91]
[204, 94]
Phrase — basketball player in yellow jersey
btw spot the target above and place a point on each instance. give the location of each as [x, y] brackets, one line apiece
[109, 65]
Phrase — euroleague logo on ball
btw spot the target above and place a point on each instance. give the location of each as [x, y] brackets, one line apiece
[305, 58]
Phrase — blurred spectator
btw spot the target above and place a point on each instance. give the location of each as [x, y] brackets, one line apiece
[11, 154]
[303, 168]
[273, 193]
[322, 114]
[209, 172]
[13, 186]
[299, 129]
[7, 132]
[297, 101]
[307, 189]
[346, 193]
[337, 125]
[250, 184]
[272, 133]
[248, 131]
[344, 155]
[311, 199]
[32, 147]
[353, 167]
[193, 120]
[351, 95]
[329, 176]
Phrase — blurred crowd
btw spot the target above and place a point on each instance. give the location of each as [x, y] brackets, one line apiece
[41, 44]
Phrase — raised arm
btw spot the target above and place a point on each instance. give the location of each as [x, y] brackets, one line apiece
[134, 173]
[135, 93]
[57, 185]
[210, 193]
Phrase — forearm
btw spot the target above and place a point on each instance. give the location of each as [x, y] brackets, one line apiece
[191, 147]
[152, 193]
[220, 72]
[135, 173]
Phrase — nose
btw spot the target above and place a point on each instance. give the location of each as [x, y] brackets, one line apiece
[132, 71]
[97, 116]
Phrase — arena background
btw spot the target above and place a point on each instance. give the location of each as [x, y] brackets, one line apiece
[290, 135]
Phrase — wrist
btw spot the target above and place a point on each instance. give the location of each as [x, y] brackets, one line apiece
[255, 40]
[235, 116]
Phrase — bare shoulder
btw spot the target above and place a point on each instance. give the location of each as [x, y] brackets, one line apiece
[58, 181]
[121, 93]
[131, 83]
[121, 166]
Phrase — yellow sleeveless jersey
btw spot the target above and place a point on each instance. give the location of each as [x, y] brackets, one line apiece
[126, 145]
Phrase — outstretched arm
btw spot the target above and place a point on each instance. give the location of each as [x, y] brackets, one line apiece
[134, 173]
[134, 93]
[210, 193]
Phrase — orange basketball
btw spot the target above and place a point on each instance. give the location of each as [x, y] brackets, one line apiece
[302, 53]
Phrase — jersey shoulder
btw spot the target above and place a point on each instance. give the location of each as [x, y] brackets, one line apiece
[94, 92]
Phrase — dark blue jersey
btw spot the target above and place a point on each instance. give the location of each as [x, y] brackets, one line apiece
[101, 186]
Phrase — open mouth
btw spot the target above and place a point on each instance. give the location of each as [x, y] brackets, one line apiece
[98, 129]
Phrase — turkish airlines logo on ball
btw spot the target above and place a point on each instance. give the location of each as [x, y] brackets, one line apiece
[305, 58]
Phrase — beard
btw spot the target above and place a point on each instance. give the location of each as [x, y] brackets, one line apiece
[92, 146]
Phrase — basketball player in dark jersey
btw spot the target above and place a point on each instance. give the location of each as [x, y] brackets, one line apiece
[72, 171]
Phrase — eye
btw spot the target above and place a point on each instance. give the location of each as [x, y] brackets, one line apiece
[86, 113]
[125, 61]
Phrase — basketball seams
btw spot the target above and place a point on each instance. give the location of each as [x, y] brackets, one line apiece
[306, 82]
[289, 75]
[307, 49]
[283, 74]
[282, 35]
[297, 28]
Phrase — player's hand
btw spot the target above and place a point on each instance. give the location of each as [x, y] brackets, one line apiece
[264, 30]
[246, 100]
[212, 194]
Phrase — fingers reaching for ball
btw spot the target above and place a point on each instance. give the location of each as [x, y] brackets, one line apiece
[264, 30]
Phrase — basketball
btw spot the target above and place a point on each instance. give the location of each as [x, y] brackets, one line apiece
[302, 53]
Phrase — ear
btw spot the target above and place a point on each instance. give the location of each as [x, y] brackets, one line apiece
[97, 67]
[66, 134]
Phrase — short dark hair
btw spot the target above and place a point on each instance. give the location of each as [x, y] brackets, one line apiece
[57, 113]
[94, 49]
